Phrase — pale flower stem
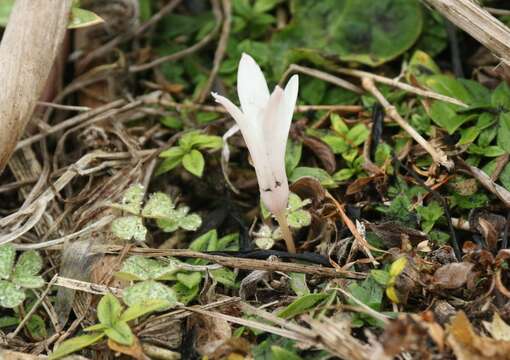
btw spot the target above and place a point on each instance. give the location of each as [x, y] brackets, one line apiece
[286, 233]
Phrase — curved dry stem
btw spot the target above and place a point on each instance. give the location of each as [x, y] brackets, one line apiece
[287, 234]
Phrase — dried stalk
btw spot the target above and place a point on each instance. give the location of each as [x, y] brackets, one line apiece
[438, 156]
[479, 23]
[29, 47]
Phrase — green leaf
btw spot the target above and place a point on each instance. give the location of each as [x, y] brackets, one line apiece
[469, 135]
[299, 218]
[381, 276]
[279, 353]
[292, 155]
[149, 290]
[321, 175]
[173, 158]
[139, 267]
[225, 276]
[132, 200]
[358, 134]
[489, 151]
[301, 305]
[190, 222]
[501, 96]
[298, 284]
[121, 333]
[10, 295]
[504, 177]
[504, 131]
[96, 327]
[109, 310]
[7, 257]
[171, 122]
[29, 263]
[80, 18]
[196, 139]
[36, 326]
[129, 228]
[5, 11]
[202, 242]
[369, 292]
[159, 206]
[194, 162]
[185, 294]
[28, 281]
[344, 174]
[75, 344]
[189, 279]
[429, 215]
[142, 308]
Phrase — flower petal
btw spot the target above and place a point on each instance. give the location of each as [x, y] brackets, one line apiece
[251, 88]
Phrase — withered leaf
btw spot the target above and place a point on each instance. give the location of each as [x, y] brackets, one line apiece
[322, 151]
[452, 276]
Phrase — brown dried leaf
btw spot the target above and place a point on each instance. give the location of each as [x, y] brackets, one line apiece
[309, 188]
[391, 233]
[499, 329]
[211, 333]
[489, 233]
[452, 276]
[467, 345]
[322, 151]
[135, 350]
[359, 185]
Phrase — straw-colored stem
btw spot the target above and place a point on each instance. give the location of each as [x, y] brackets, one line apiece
[287, 234]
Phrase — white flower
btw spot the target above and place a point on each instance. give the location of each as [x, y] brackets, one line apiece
[264, 121]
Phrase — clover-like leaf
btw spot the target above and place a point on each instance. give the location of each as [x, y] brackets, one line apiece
[29, 263]
[149, 290]
[10, 295]
[159, 206]
[299, 218]
[121, 333]
[28, 281]
[109, 310]
[264, 243]
[168, 225]
[190, 222]
[296, 203]
[132, 200]
[129, 227]
[194, 162]
[142, 268]
[7, 257]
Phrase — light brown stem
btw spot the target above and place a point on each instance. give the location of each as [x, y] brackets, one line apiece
[287, 234]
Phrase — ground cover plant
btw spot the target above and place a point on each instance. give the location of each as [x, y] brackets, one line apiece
[262, 179]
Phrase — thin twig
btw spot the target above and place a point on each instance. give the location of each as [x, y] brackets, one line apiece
[438, 156]
[190, 50]
[34, 308]
[220, 51]
[63, 107]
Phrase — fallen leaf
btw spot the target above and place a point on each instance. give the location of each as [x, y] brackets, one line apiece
[135, 350]
[452, 276]
[499, 329]
[211, 333]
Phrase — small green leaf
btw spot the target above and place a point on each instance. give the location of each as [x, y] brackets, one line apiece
[171, 122]
[8, 321]
[129, 227]
[381, 276]
[96, 327]
[279, 353]
[298, 284]
[28, 281]
[344, 174]
[185, 294]
[109, 310]
[75, 344]
[29, 263]
[121, 333]
[36, 326]
[10, 295]
[132, 200]
[292, 155]
[202, 242]
[194, 162]
[7, 257]
[196, 139]
[149, 290]
[189, 279]
[173, 158]
[225, 276]
[504, 131]
[358, 134]
[301, 305]
[501, 96]
[82, 18]
[139, 267]
[190, 222]
[264, 243]
[5, 11]
[299, 218]
[142, 308]
[159, 206]
[321, 175]
[338, 124]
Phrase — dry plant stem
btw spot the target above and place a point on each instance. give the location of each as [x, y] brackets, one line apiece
[323, 76]
[29, 47]
[286, 232]
[220, 51]
[190, 50]
[479, 23]
[438, 156]
[395, 83]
